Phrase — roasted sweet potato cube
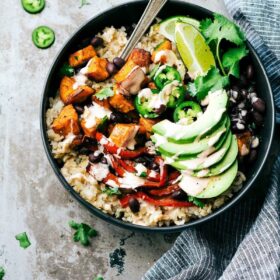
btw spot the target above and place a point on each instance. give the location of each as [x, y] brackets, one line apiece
[79, 57]
[140, 57]
[125, 70]
[244, 142]
[90, 131]
[146, 126]
[165, 45]
[67, 122]
[122, 134]
[121, 103]
[69, 95]
[104, 103]
[97, 69]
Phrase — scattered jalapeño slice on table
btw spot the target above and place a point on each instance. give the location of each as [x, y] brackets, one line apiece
[43, 37]
[33, 6]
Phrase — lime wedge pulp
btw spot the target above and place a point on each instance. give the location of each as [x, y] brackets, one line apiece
[167, 26]
[193, 49]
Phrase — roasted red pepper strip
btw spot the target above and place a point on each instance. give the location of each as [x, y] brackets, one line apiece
[166, 191]
[112, 177]
[127, 166]
[155, 178]
[173, 176]
[157, 202]
[113, 149]
[163, 170]
[117, 167]
[150, 184]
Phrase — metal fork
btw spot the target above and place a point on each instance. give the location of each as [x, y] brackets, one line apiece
[151, 11]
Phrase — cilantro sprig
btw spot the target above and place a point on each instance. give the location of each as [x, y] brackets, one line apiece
[196, 201]
[212, 81]
[111, 191]
[104, 94]
[83, 232]
[2, 272]
[83, 3]
[223, 29]
[23, 240]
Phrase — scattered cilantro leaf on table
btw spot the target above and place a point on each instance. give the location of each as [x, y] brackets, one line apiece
[23, 240]
[2, 272]
[83, 232]
[111, 191]
[231, 60]
[222, 29]
[104, 94]
[212, 81]
[98, 277]
[196, 201]
[83, 3]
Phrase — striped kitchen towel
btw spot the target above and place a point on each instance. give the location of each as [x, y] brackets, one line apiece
[243, 243]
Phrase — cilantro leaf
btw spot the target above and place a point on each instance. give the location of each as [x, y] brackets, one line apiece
[83, 3]
[143, 174]
[104, 94]
[231, 60]
[111, 191]
[98, 277]
[2, 272]
[196, 201]
[83, 232]
[67, 70]
[211, 82]
[23, 240]
[222, 29]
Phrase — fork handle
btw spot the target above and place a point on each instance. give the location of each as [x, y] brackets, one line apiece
[151, 11]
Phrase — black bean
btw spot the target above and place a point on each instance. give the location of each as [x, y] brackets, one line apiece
[103, 160]
[244, 93]
[187, 78]
[134, 205]
[258, 118]
[95, 157]
[111, 68]
[259, 105]
[140, 160]
[235, 88]
[242, 81]
[160, 110]
[179, 195]
[97, 41]
[154, 166]
[119, 62]
[250, 72]
[79, 109]
[116, 117]
[252, 156]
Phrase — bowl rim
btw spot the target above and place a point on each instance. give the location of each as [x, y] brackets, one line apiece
[115, 221]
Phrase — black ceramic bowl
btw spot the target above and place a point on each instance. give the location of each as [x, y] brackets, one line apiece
[128, 14]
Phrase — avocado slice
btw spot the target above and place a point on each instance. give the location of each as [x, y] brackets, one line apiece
[204, 160]
[170, 149]
[223, 165]
[203, 125]
[211, 186]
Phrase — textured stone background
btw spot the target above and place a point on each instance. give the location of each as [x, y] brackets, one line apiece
[31, 198]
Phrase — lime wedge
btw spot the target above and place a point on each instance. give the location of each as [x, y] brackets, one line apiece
[193, 50]
[167, 26]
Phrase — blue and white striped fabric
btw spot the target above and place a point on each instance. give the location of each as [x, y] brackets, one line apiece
[244, 243]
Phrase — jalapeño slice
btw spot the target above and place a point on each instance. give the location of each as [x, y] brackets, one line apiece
[43, 37]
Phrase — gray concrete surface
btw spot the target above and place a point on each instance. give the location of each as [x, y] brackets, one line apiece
[31, 198]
